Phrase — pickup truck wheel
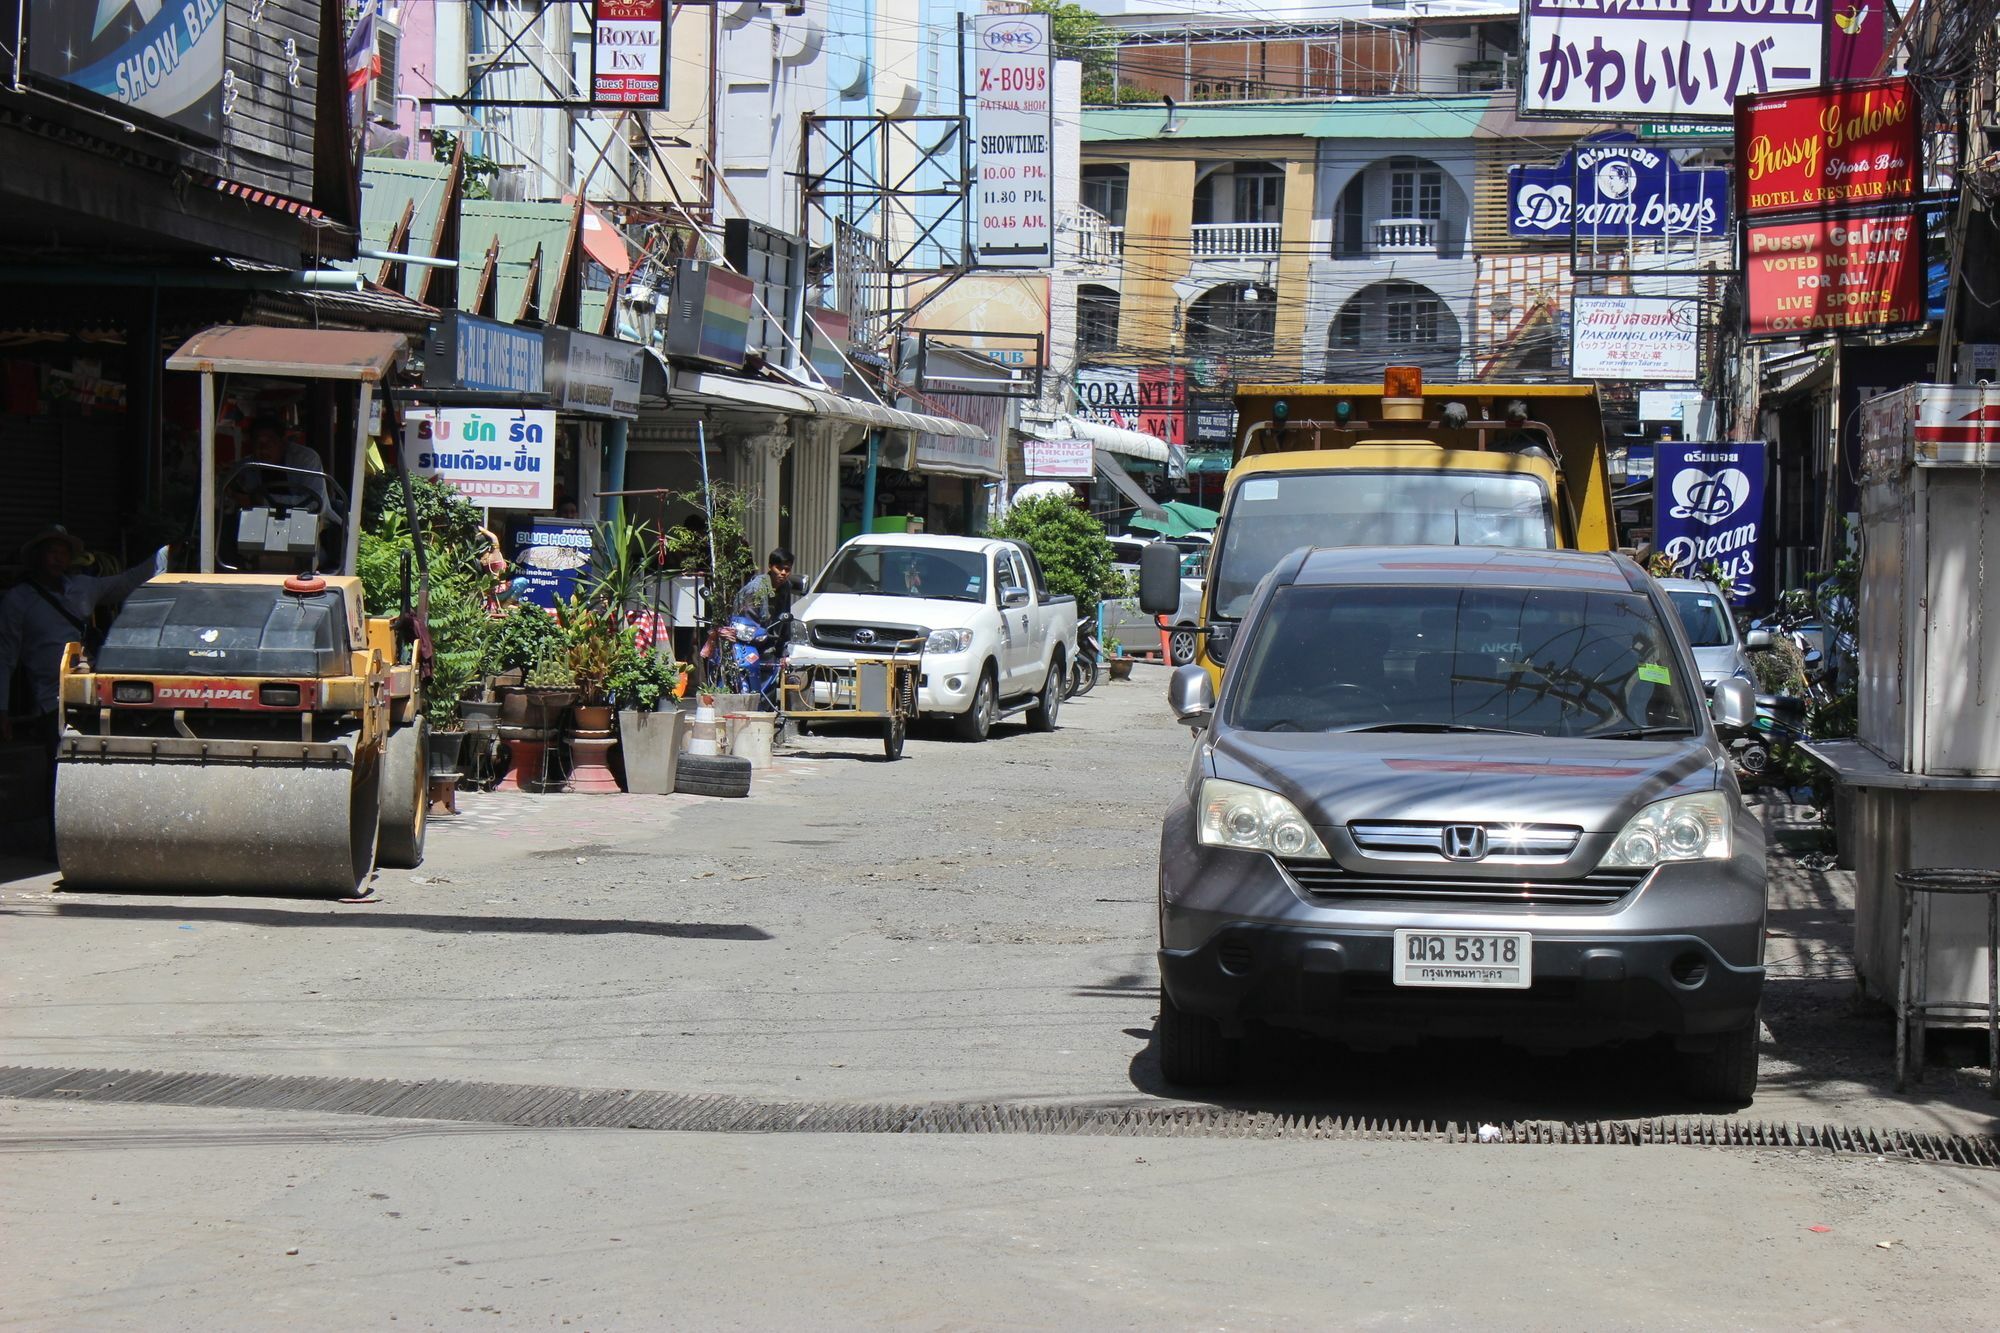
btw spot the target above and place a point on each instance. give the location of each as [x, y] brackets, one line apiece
[976, 722]
[1727, 1071]
[1193, 1051]
[1042, 717]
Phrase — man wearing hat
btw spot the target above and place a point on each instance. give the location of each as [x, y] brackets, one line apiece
[48, 608]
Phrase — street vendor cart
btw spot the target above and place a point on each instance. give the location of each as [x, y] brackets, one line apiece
[869, 689]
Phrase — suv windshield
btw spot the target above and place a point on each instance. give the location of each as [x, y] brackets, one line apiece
[1548, 662]
[1272, 516]
[905, 571]
[1704, 618]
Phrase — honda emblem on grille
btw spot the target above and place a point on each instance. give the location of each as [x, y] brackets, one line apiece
[1463, 842]
[864, 636]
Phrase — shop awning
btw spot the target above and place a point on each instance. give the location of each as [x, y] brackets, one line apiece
[1118, 440]
[704, 389]
[1121, 481]
[319, 354]
[842, 408]
[1180, 520]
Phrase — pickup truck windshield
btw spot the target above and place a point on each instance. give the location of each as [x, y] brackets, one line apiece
[901, 571]
[1269, 517]
[1545, 662]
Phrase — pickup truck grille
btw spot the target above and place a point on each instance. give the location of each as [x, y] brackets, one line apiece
[1330, 880]
[866, 638]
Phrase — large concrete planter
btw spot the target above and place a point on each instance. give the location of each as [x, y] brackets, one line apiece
[651, 746]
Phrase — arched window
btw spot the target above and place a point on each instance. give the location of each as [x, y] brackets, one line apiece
[1096, 320]
[1236, 319]
[1391, 324]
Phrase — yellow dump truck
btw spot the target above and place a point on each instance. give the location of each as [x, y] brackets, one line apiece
[1393, 464]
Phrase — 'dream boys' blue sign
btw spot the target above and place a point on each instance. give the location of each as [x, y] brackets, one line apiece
[1614, 185]
[1708, 508]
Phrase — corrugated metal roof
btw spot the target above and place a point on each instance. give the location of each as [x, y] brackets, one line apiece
[521, 227]
[301, 353]
[388, 186]
[1362, 118]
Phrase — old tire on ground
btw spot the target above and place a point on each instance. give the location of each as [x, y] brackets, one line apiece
[712, 775]
[1042, 717]
[405, 797]
[1727, 1071]
[1193, 1051]
[976, 722]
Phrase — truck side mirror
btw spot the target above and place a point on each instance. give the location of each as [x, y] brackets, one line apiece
[1160, 579]
[1733, 705]
[1191, 694]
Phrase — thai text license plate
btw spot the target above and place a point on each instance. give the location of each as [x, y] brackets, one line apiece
[1463, 958]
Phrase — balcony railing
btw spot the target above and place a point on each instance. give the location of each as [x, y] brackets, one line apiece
[1236, 240]
[1091, 241]
[1403, 235]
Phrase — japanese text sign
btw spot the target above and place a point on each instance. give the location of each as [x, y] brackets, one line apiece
[1635, 338]
[628, 46]
[495, 457]
[1708, 508]
[1852, 144]
[1619, 186]
[1663, 59]
[1833, 273]
[1013, 124]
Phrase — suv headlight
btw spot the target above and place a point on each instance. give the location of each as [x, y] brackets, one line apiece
[1250, 819]
[1683, 828]
[948, 641]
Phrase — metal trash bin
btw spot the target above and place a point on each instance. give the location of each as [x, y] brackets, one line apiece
[1913, 1007]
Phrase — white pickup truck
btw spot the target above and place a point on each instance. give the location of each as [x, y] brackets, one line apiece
[993, 640]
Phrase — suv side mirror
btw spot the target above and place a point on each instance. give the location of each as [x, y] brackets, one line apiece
[1757, 638]
[1160, 579]
[1191, 694]
[1013, 597]
[1734, 704]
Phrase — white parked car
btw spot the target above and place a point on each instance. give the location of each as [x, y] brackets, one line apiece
[993, 640]
[1124, 620]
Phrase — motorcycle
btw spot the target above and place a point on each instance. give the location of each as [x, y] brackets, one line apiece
[1088, 665]
[1780, 718]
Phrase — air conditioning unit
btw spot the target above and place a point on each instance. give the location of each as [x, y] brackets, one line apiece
[382, 91]
[510, 184]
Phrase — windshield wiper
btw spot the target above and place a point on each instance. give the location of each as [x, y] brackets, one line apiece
[1438, 727]
[1639, 733]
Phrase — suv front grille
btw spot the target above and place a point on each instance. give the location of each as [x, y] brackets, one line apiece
[1402, 837]
[866, 638]
[1329, 879]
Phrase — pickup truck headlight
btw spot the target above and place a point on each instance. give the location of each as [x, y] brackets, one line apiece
[948, 641]
[1683, 828]
[1250, 819]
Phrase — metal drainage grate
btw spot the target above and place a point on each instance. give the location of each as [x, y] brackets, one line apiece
[623, 1108]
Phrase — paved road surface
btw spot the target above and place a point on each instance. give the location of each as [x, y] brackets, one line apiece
[972, 923]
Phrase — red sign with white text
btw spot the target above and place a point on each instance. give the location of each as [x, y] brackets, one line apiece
[1852, 144]
[1834, 273]
[628, 57]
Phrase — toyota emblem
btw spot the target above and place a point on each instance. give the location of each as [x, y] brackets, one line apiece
[864, 636]
[1463, 842]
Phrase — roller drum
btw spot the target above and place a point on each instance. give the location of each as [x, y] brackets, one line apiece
[205, 817]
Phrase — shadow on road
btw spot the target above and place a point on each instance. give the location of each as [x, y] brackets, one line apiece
[367, 918]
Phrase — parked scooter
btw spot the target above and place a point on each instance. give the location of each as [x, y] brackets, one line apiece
[1088, 665]
[1780, 717]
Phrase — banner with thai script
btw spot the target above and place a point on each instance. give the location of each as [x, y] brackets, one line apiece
[1617, 186]
[498, 458]
[1663, 59]
[155, 59]
[1853, 144]
[1833, 273]
[1708, 509]
[1057, 459]
[1635, 338]
[1013, 140]
[628, 53]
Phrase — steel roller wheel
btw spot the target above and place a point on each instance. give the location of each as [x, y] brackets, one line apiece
[405, 797]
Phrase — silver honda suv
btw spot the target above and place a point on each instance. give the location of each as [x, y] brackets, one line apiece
[1464, 792]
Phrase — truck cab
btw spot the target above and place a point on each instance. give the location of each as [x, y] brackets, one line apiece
[1395, 464]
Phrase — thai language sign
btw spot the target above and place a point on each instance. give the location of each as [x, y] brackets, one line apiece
[1663, 59]
[1708, 509]
[1057, 459]
[1635, 338]
[1833, 273]
[551, 558]
[153, 58]
[1617, 185]
[1852, 144]
[628, 49]
[1014, 140]
[498, 458]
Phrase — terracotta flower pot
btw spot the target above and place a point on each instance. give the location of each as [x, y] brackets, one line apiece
[591, 719]
[589, 771]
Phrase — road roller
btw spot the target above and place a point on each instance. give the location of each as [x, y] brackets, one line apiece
[248, 726]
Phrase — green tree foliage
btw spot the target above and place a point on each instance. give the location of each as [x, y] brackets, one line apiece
[715, 541]
[1074, 553]
[1084, 37]
[459, 626]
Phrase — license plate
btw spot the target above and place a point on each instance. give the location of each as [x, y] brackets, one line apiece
[1474, 958]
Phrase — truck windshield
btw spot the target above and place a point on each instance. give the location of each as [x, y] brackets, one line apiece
[1703, 617]
[1271, 516]
[1542, 661]
[903, 571]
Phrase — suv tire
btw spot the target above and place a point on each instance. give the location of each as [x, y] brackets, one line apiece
[1727, 1071]
[976, 722]
[1042, 717]
[1193, 1051]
